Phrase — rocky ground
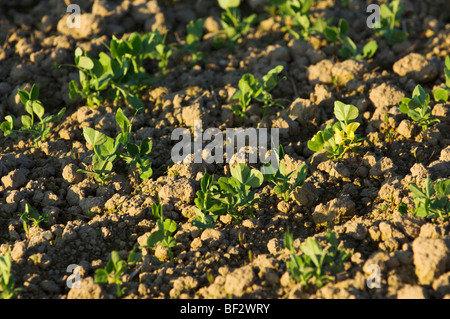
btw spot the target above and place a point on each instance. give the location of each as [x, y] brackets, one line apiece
[356, 197]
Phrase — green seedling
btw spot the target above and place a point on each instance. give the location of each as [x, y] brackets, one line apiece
[388, 130]
[7, 280]
[301, 26]
[40, 130]
[193, 37]
[340, 137]
[348, 49]
[250, 88]
[230, 195]
[311, 266]
[390, 14]
[135, 154]
[32, 216]
[207, 202]
[164, 235]
[121, 74]
[284, 185]
[105, 149]
[417, 108]
[432, 201]
[441, 94]
[233, 25]
[235, 191]
[112, 273]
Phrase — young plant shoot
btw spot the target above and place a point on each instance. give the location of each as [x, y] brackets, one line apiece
[417, 108]
[39, 130]
[340, 137]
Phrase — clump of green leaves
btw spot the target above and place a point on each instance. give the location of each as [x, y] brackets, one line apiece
[121, 74]
[164, 235]
[390, 14]
[233, 25]
[39, 130]
[115, 269]
[207, 202]
[432, 201]
[284, 185]
[32, 216]
[348, 49]
[314, 264]
[417, 108]
[232, 195]
[135, 154]
[339, 137]
[297, 11]
[251, 88]
[105, 149]
[441, 94]
[193, 37]
[7, 280]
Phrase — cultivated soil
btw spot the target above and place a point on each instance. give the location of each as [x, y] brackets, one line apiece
[357, 197]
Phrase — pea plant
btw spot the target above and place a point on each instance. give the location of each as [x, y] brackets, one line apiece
[233, 25]
[39, 130]
[340, 137]
[136, 154]
[164, 235]
[193, 37]
[121, 74]
[301, 25]
[432, 201]
[114, 270]
[314, 264]
[390, 14]
[348, 49]
[441, 94]
[32, 216]
[284, 185]
[230, 195]
[105, 149]
[251, 88]
[417, 108]
[207, 202]
[7, 280]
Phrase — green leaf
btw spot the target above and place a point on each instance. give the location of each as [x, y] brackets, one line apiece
[317, 142]
[226, 4]
[370, 48]
[244, 175]
[38, 108]
[133, 150]
[34, 93]
[416, 191]
[78, 52]
[345, 112]
[146, 146]
[270, 80]
[101, 276]
[26, 121]
[331, 34]
[85, 63]
[343, 26]
[441, 95]
[94, 137]
[24, 96]
[123, 121]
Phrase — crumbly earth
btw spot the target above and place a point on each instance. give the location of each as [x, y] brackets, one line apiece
[357, 197]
